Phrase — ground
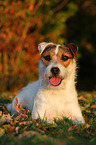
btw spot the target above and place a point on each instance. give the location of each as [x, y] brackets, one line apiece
[23, 130]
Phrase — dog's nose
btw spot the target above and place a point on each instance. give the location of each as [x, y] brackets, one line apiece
[55, 70]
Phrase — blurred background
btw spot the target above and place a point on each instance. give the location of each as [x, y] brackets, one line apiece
[25, 23]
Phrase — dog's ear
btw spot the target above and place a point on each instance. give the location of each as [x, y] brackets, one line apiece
[42, 46]
[72, 47]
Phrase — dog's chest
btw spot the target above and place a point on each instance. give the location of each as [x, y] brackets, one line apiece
[53, 101]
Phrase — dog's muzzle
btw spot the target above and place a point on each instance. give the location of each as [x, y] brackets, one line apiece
[55, 80]
[55, 70]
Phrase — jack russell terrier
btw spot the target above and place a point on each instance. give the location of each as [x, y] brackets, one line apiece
[54, 95]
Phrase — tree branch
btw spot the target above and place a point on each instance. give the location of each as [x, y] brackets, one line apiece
[37, 6]
[60, 6]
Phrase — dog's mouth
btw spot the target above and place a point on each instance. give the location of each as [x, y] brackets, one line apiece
[55, 81]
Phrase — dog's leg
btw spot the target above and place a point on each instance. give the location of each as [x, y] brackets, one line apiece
[37, 115]
[76, 116]
[41, 113]
[78, 120]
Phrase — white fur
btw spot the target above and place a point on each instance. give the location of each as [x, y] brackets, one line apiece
[49, 101]
[57, 49]
[42, 46]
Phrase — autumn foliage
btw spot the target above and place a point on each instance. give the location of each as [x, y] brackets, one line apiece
[19, 36]
[25, 23]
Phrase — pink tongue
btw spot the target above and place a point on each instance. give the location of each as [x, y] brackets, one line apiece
[55, 81]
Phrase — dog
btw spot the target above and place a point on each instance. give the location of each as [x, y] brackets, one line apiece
[54, 95]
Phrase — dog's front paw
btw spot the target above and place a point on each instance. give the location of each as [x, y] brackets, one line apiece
[50, 122]
[36, 116]
[78, 120]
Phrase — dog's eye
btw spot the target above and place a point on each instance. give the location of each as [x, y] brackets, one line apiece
[47, 58]
[65, 58]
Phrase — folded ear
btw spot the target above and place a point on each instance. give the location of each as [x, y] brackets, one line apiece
[72, 47]
[42, 46]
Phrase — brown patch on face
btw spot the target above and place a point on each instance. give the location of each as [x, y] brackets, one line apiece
[48, 56]
[63, 56]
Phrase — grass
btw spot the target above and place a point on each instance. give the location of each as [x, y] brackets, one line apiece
[23, 130]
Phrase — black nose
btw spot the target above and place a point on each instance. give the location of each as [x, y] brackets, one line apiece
[55, 70]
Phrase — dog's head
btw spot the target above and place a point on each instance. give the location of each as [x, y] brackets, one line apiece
[57, 62]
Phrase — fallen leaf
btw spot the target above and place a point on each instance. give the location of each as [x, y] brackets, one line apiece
[87, 126]
[5, 117]
[24, 123]
[81, 98]
[0, 113]
[25, 111]
[16, 105]
[87, 134]
[21, 105]
[6, 126]
[11, 128]
[95, 113]
[29, 134]
[44, 128]
[17, 129]
[2, 131]
[85, 107]
[93, 106]
[72, 128]
[13, 122]
[41, 131]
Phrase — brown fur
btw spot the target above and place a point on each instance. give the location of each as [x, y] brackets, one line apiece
[53, 55]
